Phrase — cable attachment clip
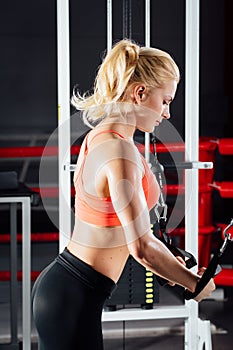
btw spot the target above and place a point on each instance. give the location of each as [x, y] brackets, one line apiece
[228, 237]
[157, 169]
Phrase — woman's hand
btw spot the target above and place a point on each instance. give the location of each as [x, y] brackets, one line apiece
[209, 288]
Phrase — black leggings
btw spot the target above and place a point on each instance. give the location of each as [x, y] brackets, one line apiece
[67, 303]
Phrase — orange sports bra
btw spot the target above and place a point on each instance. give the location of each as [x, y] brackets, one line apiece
[100, 211]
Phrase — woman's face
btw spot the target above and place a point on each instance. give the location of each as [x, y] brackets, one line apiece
[157, 100]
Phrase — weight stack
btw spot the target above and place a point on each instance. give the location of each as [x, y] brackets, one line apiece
[137, 286]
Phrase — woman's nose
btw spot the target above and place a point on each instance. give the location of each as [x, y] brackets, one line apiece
[166, 113]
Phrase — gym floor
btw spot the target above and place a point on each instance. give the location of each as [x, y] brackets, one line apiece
[157, 334]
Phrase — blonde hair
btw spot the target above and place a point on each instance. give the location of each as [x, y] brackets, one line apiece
[126, 64]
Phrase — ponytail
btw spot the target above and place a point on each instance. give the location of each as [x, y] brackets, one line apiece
[116, 71]
[125, 64]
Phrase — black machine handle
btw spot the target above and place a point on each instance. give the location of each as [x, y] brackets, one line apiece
[189, 259]
[213, 268]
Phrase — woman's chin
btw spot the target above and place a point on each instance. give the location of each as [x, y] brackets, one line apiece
[148, 128]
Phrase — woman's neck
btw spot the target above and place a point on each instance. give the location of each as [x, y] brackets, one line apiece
[116, 124]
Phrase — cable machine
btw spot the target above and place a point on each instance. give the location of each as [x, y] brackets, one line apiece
[197, 332]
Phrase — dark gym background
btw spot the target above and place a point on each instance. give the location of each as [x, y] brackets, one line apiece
[28, 75]
[28, 57]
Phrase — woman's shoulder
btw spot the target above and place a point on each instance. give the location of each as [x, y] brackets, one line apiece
[110, 146]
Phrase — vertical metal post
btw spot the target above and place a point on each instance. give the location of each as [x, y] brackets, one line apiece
[147, 23]
[13, 268]
[192, 152]
[147, 43]
[63, 61]
[109, 25]
[26, 267]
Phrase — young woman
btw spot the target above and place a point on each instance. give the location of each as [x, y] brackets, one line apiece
[115, 191]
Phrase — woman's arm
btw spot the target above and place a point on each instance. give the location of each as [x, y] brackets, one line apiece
[125, 186]
[154, 255]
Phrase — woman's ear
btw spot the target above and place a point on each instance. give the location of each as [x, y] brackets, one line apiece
[139, 93]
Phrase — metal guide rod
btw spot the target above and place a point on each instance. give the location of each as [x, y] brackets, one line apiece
[109, 25]
[63, 62]
[191, 153]
[147, 43]
[127, 19]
